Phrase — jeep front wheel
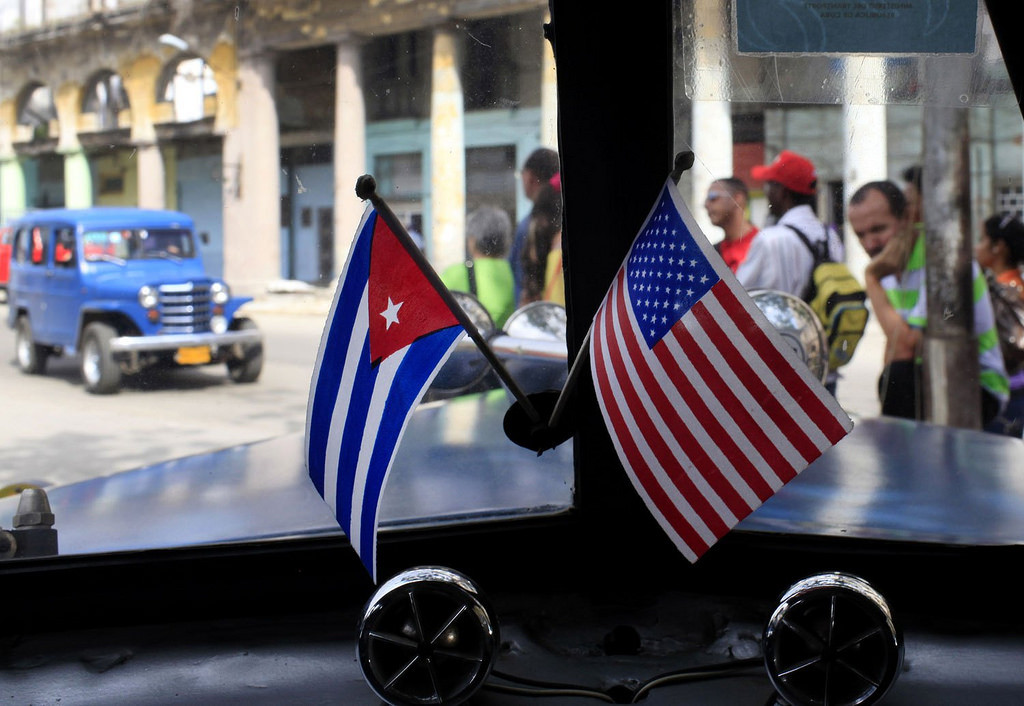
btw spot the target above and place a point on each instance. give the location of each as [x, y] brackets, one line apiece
[100, 371]
[246, 368]
[31, 356]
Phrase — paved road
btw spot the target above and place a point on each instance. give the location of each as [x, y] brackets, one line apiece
[55, 432]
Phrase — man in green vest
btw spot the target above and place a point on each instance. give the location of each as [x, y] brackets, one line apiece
[896, 286]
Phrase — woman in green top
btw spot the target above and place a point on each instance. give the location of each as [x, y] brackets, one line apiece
[486, 274]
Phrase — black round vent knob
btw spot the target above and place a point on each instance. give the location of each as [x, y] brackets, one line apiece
[427, 636]
[832, 641]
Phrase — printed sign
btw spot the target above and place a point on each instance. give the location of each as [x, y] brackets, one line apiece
[856, 26]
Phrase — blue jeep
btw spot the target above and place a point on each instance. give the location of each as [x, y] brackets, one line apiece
[126, 288]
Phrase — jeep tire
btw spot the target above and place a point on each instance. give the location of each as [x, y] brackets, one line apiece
[248, 367]
[31, 355]
[100, 372]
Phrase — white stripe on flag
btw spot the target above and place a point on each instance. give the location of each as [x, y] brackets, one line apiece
[768, 376]
[339, 415]
[765, 421]
[617, 397]
[735, 432]
[700, 433]
[386, 371]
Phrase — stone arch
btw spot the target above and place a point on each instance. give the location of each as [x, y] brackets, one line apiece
[104, 101]
[36, 112]
[189, 87]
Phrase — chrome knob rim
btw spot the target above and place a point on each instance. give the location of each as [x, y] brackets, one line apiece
[427, 636]
[832, 641]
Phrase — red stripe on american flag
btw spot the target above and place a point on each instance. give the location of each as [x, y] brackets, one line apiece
[806, 397]
[685, 534]
[669, 462]
[741, 420]
[681, 430]
[758, 390]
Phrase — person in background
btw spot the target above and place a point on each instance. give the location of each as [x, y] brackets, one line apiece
[415, 229]
[777, 258]
[895, 283]
[542, 254]
[486, 273]
[538, 169]
[912, 191]
[1000, 251]
[726, 204]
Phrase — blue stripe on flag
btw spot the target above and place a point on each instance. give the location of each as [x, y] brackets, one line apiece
[328, 376]
[414, 373]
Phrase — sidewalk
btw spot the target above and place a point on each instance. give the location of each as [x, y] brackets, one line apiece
[857, 390]
[293, 297]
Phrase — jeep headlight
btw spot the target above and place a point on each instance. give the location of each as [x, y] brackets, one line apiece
[148, 297]
[220, 293]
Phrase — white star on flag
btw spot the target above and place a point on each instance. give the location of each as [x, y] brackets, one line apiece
[391, 313]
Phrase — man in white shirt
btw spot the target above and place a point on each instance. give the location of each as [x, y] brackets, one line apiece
[778, 259]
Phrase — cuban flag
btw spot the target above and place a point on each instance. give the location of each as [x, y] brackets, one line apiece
[386, 337]
[709, 409]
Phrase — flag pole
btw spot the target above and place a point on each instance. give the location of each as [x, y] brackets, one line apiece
[683, 161]
[366, 188]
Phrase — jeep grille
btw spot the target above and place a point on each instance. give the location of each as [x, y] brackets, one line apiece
[185, 308]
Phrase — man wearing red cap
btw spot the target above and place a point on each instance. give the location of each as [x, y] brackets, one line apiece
[778, 259]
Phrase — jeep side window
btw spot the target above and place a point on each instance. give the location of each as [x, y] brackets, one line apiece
[38, 246]
[21, 246]
[64, 250]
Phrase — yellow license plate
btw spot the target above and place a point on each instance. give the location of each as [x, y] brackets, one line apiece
[194, 355]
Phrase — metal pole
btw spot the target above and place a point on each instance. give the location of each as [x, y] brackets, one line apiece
[950, 353]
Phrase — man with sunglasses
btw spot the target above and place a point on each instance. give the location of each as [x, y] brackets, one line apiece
[726, 204]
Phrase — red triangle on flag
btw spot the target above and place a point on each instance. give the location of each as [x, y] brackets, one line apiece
[403, 305]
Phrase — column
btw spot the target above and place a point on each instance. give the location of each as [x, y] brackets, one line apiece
[865, 136]
[140, 83]
[251, 182]
[12, 178]
[78, 191]
[548, 95]
[12, 188]
[150, 160]
[711, 112]
[349, 145]
[447, 154]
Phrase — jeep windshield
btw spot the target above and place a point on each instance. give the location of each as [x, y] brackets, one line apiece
[137, 244]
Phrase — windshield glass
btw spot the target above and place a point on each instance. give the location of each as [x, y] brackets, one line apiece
[256, 124]
[907, 95]
[137, 244]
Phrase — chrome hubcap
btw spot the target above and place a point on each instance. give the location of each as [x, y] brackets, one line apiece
[91, 363]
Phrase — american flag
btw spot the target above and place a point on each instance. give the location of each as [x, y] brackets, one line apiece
[386, 337]
[710, 411]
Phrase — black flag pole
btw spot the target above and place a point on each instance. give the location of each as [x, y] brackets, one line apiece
[683, 161]
[366, 189]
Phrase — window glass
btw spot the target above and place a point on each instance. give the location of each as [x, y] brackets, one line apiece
[255, 122]
[137, 244]
[38, 256]
[865, 93]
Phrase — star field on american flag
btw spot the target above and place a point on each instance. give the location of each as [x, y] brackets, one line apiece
[667, 273]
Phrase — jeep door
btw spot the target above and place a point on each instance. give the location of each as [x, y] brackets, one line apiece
[28, 277]
[62, 285]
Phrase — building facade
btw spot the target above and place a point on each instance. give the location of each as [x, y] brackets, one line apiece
[256, 118]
